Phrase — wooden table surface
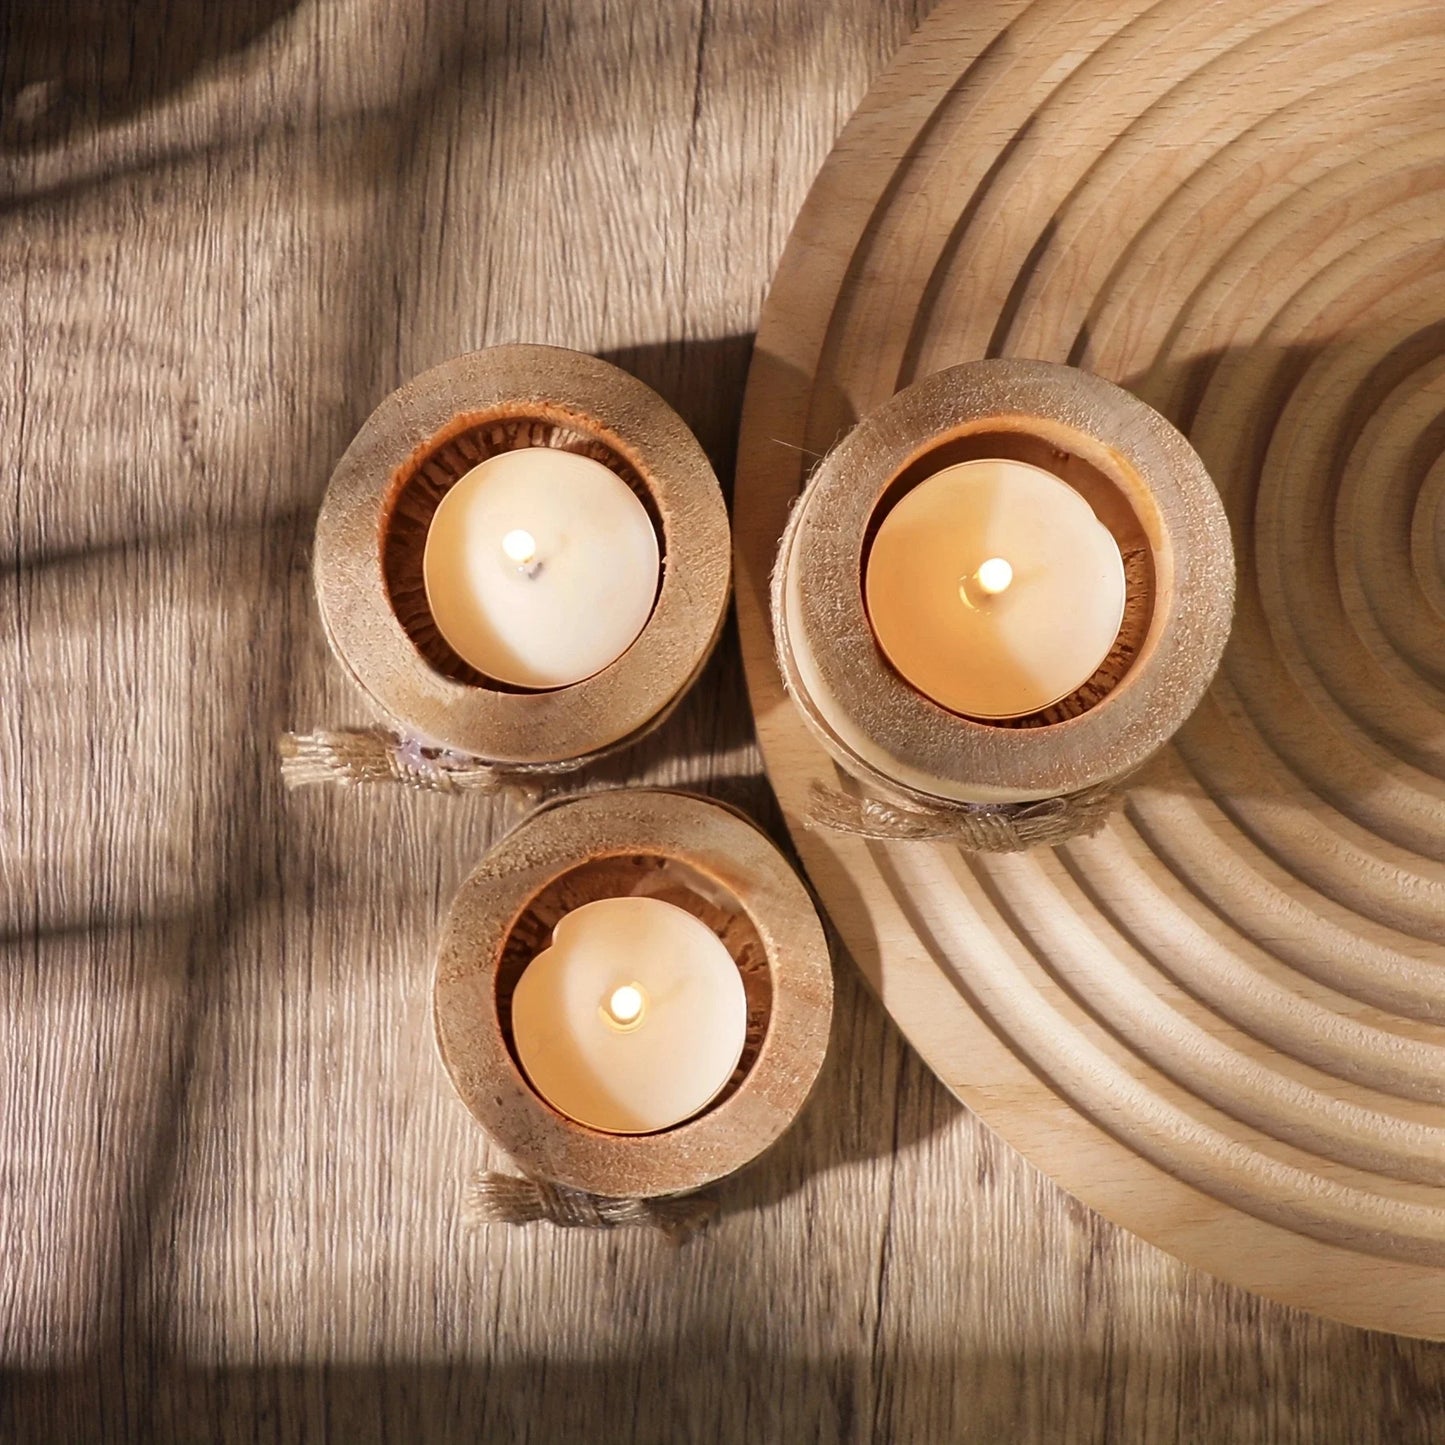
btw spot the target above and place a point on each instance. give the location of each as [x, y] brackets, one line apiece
[232, 1165]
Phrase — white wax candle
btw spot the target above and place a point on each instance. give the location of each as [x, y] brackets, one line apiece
[994, 589]
[633, 1020]
[541, 567]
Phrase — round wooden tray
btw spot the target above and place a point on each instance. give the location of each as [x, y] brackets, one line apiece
[1217, 1021]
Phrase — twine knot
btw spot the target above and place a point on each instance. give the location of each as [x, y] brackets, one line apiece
[506, 1199]
[984, 828]
[349, 757]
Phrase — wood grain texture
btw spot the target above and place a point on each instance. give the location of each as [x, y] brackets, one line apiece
[1218, 1019]
[232, 1165]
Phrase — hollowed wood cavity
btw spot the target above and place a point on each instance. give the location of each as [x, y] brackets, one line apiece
[1110, 504]
[433, 469]
[644, 876]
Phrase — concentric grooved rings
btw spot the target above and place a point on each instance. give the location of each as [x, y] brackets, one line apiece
[1220, 1021]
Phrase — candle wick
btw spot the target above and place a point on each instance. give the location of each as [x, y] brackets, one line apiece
[520, 546]
[626, 1005]
[994, 576]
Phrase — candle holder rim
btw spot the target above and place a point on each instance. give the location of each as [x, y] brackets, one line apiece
[725, 1135]
[565, 389]
[930, 740]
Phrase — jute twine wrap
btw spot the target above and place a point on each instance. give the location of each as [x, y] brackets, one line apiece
[348, 757]
[351, 757]
[698, 855]
[1013, 784]
[1009, 828]
[493, 1198]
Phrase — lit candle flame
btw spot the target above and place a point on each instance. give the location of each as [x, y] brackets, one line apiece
[994, 576]
[626, 1004]
[520, 547]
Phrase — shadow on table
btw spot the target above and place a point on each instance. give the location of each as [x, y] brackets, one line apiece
[703, 381]
[875, 1100]
[698, 1389]
[77, 65]
[706, 1387]
[173, 918]
[708, 745]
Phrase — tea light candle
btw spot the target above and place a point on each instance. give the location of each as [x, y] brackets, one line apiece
[541, 567]
[994, 589]
[633, 1020]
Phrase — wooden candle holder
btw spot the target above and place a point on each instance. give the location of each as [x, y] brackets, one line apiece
[371, 536]
[1144, 482]
[685, 850]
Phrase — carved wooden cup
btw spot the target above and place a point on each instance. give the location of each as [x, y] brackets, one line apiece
[371, 537]
[685, 850]
[1145, 484]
